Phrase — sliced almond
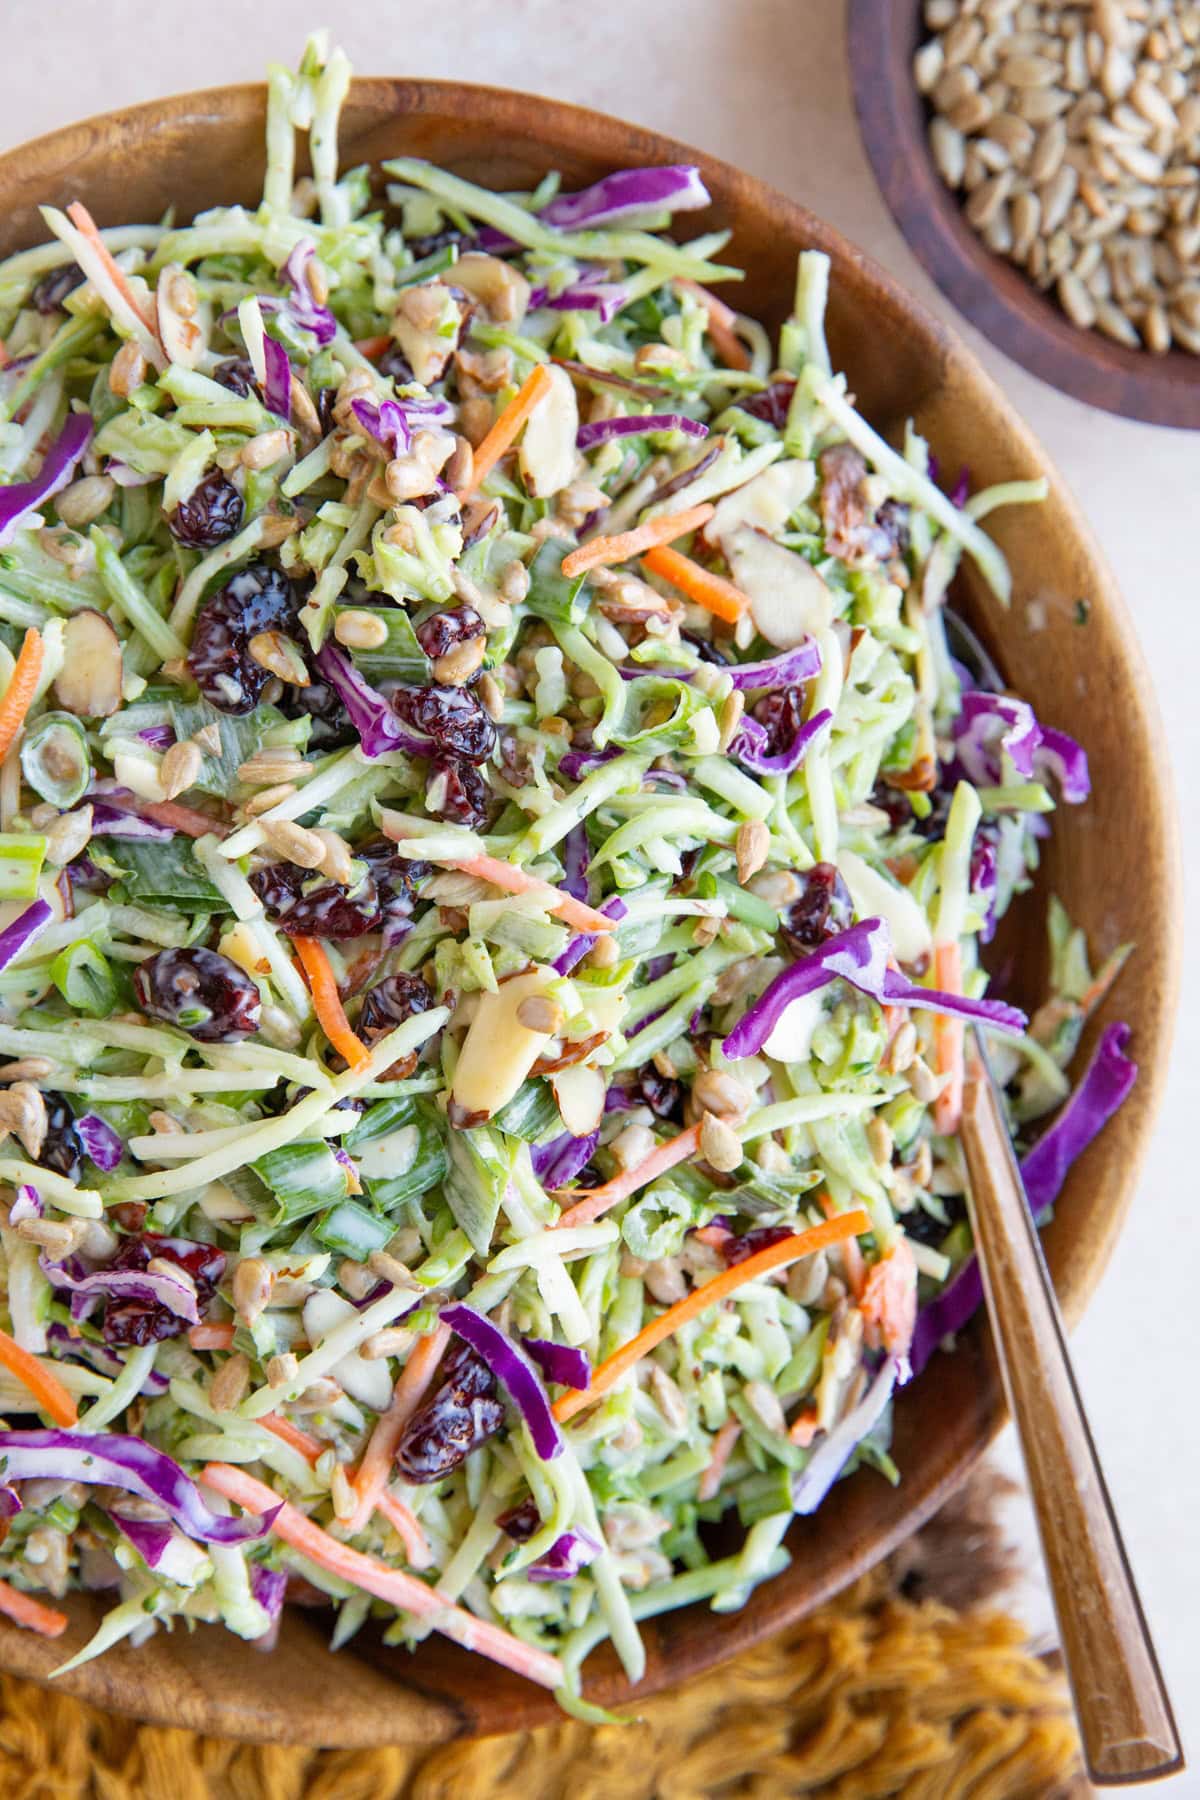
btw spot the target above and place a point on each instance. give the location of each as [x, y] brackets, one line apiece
[766, 503]
[182, 338]
[788, 599]
[499, 1051]
[89, 682]
[548, 454]
[874, 896]
[579, 1091]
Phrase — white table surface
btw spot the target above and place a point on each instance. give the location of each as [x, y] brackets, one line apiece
[763, 84]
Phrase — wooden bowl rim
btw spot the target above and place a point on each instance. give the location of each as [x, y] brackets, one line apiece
[1000, 301]
[425, 1711]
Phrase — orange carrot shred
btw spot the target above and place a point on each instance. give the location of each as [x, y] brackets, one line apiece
[516, 881]
[299, 1439]
[712, 592]
[398, 1515]
[504, 432]
[51, 1396]
[722, 326]
[413, 1381]
[327, 1002]
[722, 1450]
[661, 1158]
[852, 1256]
[889, 1299]
[949, 1041]
[602, 551]
[23, 1609]
[372, 348]
[400, 1589]
[774, 1256]
[18, 695]
[803, 1428]
[83, 222]
[211, 1337]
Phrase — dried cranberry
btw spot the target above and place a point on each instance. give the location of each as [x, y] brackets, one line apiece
[894, 802]
[782, 712]
[212, 512]
[62, 1150]
[237, 374]
[393, 362]
[521, 1521]
[442, 630]
[332, 728]
[391, 1001]
[258, 598]
[893, 520]
[454, 717]
[771, 405]
[761, 1238]
[463, 1413]
[663, 1096]
[53, 288]
[201, 991]
[853, 529]
[705, 649]
[396, 877]
[306, 907]
[458, 791]
[823, 909]
[432, 242]
[923, 1228]
[933, 825]
[129, 1321]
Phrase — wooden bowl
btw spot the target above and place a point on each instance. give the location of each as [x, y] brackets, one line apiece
[1113, 863]
[995, 296]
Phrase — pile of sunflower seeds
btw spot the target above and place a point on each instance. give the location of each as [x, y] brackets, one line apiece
[1073, 129]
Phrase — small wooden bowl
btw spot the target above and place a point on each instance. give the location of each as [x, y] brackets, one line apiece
[1001, 302]
[1113, 863]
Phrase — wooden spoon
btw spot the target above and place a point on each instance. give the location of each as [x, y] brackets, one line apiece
[1124, 1713]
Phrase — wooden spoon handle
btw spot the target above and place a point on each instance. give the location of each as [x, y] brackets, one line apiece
[1125, 1718]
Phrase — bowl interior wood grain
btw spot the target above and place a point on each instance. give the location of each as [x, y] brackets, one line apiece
[995, 295]
[201, 149]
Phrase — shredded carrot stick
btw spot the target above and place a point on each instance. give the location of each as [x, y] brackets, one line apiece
[852, 1256]
[211, 1337]
[516, 881]
[504, 432]
[663, 1157]
[889, 1299]
[712, 592]
[803, 1428]
[51, 1396]
[775, 1256]
[20, 690]
[406, 1524]
[84, 223]
[303, 1441]
[399, 1589]
[398, 1515]
[5, 358]
[949, 1040]
[23, 1609]
[372, 347]
[722, 1450]
[601, 551]
[722, 326]
[327, 1002]
[410, 1390]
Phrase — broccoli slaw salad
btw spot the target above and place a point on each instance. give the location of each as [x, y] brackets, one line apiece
[495, 841]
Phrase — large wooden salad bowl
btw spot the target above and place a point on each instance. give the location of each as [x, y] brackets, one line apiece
[1114, 864]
